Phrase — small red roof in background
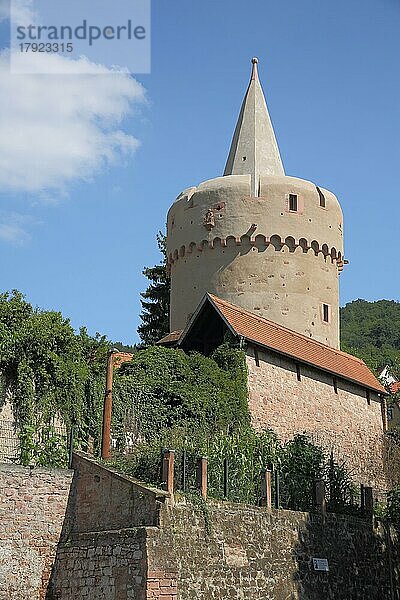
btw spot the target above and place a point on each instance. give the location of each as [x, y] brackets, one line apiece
[170, 338]
[121, 357]
[394, 387]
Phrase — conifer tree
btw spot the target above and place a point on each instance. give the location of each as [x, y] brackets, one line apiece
[155, 302]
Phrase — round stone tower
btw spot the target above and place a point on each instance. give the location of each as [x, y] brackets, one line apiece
[269, 243]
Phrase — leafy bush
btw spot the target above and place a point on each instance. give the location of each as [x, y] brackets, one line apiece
[49, 372]
[162, 388]
[393, 505]
[45, 448]
[302, 463]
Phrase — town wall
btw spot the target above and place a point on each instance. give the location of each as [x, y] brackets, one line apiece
[223, 551]
[198, 550]
[103, 499]
[101, 565]
[228, 551]
[347, 422]
[33, 504]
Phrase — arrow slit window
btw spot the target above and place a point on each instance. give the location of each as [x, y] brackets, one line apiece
[326, 313]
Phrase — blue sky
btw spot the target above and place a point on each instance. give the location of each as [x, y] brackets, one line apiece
[75, 237]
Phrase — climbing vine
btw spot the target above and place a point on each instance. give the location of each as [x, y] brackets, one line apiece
[50, 374]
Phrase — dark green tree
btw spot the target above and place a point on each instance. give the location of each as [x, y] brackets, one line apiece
[371, 331]
[155, 300]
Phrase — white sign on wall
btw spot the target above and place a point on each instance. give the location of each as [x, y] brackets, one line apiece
[320, 564]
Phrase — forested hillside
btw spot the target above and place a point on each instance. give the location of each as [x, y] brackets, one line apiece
[371, 330]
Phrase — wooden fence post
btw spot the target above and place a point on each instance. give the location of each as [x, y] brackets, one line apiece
[168, 471]
[266, 489]
[368, 502]
[202, 476]
[320, 501]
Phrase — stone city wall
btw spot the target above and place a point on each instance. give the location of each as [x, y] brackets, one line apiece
[100, 565]
[200, 550]
[344, 422]
[227, 551]
[33, 504]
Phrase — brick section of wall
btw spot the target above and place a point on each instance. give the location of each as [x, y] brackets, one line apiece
[108, 500]
[32, 508]
[248, 553]
[101, 566]
[343, 422]
[161, 585]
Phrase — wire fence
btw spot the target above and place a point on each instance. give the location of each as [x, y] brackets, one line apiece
[47, 445]
[229, 480]
[9, 442]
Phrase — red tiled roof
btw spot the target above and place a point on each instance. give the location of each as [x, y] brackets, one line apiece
[394, 387]
[284, 341]
[170, 338]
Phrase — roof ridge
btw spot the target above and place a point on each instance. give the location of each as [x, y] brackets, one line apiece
[282, 327]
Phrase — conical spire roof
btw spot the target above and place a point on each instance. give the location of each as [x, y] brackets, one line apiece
[254, 149]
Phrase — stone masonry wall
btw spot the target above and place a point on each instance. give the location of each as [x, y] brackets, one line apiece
[230, 552]
[32, 508]
[343, 422]
[105, 565]
[223, 551]
[104, 499]
[110, 565]
[202, 551]
[49, 512]
[102, 553]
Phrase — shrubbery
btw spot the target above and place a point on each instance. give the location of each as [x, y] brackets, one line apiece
[164, 388]
[50, 374]
[371, 331]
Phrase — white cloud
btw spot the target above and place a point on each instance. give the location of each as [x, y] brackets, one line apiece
[14, 227]
[56, 129]
[22, 11]
[4, 10]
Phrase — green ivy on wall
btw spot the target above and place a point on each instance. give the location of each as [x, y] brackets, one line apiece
[50, 374]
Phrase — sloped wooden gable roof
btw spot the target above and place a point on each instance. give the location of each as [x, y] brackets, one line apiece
[265, 333]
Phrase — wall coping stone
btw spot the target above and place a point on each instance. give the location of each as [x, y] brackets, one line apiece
[12, 468]
[119, 533]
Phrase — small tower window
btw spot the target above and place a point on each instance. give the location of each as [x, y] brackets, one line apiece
[335, 385]
[326, 313]
[322, 201]
[293, 204]
[298, 372]
[368, 395]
